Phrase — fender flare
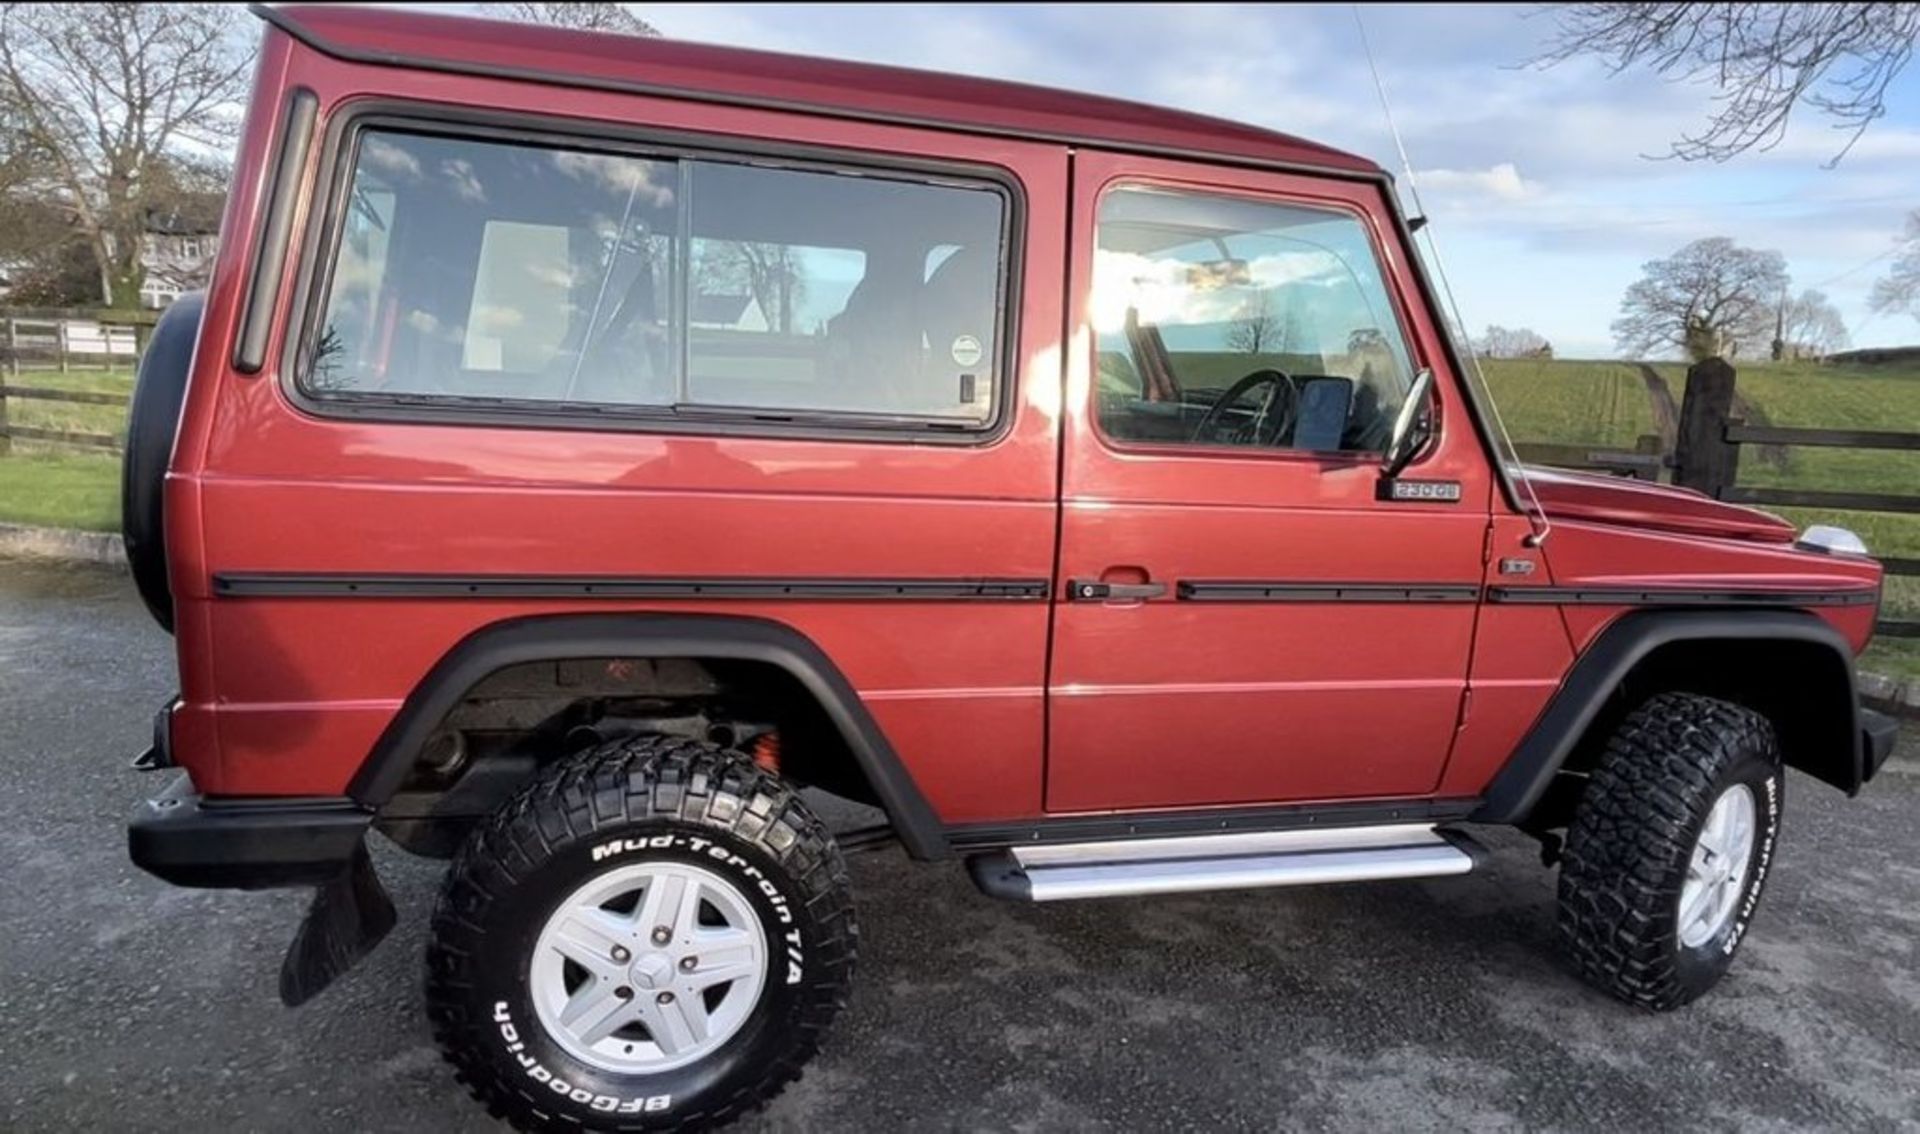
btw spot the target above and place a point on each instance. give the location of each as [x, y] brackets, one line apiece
[560, 636]
[1623, 644]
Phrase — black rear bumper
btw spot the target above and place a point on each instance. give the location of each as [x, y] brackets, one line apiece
[1876, 742]
[246, 844]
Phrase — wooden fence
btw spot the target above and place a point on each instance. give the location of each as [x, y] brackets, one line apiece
[58, 338]
[1645, 461]
[1706, 457]
[84, 440]
[42, 341]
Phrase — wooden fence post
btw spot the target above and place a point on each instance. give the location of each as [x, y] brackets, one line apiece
[1649, 445]
[1703, 458]
[6, 439]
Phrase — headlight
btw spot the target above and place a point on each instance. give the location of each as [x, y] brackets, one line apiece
[1830, 540]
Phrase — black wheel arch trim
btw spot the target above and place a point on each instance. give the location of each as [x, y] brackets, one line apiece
[705, 636]
[1623, 644]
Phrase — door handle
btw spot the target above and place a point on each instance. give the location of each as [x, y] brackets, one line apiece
[1090, 590]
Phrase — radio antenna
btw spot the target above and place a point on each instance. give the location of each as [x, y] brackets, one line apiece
[1537, 518]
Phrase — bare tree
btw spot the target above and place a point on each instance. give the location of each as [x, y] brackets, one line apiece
[586, 17]
[1516, 342]
[771, 273]
[1899, 290]
[1712, 297]
[108, 92]
[1764, 60]
[1808, 326]
[1260, 329]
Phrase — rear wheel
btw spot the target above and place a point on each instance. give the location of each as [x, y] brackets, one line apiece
[1669, 849]
[653, 936]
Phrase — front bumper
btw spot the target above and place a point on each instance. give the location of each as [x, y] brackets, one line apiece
[1878, 731]
[247, 844]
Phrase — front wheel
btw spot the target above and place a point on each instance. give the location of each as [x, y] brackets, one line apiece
[1669, 849]
[652, 936]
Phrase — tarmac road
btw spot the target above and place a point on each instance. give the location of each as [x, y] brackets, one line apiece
[125, 1004]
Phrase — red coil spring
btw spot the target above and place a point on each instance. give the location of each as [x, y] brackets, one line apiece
[766, 752]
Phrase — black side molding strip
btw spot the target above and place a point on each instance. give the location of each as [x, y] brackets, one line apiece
[1243, 590]
[1204, 821]
[270, 254]
[267, 584]
[1660, 596]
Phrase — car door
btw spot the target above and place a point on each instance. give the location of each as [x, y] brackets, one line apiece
[1243, 618]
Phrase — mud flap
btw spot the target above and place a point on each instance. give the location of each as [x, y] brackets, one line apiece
[348, 917]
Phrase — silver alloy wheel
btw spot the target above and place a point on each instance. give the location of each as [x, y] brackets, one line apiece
[648, 967]
[1717, 869]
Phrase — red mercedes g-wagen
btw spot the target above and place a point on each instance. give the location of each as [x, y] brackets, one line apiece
[586, 443]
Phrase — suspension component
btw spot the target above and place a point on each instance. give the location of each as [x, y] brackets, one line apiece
[766, 752]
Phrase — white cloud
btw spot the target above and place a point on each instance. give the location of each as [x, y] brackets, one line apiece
[1551, 247]
[1502, 181]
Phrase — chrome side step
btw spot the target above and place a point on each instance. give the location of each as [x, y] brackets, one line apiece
[1237, 861]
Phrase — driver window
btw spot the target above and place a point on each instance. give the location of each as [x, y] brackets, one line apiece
[1226, 321]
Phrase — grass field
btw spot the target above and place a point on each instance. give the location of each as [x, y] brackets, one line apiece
[69, 415]
[1572, 403]
[59, 486]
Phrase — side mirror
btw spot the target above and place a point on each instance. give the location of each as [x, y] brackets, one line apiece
[1412, 429]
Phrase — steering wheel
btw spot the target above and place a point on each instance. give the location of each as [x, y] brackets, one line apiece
[1273, 419]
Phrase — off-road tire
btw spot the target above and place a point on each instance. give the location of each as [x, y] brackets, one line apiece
[1632, 837]
[716, 810]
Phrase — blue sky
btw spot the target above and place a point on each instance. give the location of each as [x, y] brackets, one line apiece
[1542, 203]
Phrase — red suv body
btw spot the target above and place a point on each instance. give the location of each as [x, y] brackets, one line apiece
[1011, 459]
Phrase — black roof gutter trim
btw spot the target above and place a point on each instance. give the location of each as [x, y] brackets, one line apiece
[305, 35]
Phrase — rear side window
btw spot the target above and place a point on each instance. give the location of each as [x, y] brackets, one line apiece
[471, 271]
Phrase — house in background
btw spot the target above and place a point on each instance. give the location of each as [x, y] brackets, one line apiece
[178, 247]
[727, 313]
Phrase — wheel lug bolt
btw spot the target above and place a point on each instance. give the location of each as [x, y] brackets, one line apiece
[623, 992]
[662, 935]
[621, 955]
[664, 998]
[689, 963]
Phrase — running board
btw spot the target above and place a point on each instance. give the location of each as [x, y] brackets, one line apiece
[1239, 861]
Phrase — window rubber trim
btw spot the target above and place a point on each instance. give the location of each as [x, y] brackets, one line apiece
[325, 227]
